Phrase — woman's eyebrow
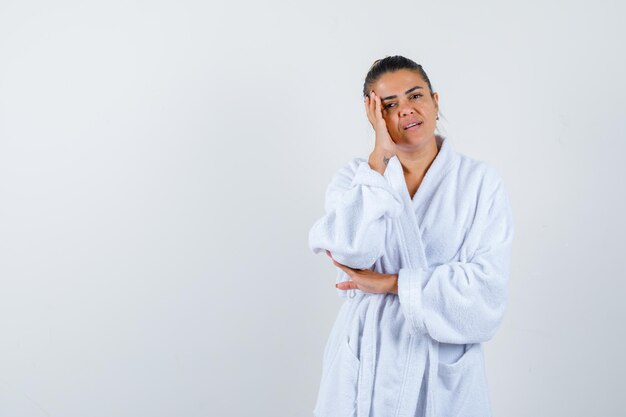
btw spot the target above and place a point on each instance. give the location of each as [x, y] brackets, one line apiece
[406, 92]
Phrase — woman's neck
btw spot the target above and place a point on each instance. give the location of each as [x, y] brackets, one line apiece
[415, 162]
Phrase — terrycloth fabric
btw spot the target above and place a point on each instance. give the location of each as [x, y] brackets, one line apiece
[418, 352]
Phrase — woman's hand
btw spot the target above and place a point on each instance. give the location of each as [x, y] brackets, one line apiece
[384, 146]
[367, 280]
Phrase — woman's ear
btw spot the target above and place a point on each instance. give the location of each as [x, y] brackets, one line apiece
[436, 100]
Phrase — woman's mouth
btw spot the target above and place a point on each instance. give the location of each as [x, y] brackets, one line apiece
[413, 126]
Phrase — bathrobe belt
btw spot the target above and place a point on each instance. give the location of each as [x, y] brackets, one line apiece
[368, 357]
[433, 367]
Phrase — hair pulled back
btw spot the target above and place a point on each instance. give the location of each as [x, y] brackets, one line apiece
[390, 64]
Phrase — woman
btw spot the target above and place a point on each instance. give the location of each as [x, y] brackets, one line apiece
[422, 238]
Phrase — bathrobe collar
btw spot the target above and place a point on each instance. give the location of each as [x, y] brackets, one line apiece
[414, 255]
[444, 161]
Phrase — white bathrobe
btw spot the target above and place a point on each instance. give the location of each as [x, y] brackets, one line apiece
[418, 352]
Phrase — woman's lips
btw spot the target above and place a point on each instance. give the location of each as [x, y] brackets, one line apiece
[414, 127]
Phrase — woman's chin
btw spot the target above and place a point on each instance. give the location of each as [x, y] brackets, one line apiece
[411, 145]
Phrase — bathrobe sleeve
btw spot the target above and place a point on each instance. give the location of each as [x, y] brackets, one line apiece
[464, 302]
[359, 201]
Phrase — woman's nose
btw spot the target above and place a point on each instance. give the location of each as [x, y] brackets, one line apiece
[405, 110]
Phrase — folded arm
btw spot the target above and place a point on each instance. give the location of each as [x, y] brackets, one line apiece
[464, 302]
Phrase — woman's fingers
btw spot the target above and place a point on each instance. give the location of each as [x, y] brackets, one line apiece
[368, 110]
[379, 109]
[365, 280]
[346, 285]
[372, 103]
[375, 111]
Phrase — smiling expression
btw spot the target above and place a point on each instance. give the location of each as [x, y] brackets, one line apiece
[409, 110]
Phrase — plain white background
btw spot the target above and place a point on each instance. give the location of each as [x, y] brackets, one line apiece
[161, 164]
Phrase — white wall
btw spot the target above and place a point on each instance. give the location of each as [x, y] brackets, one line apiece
[161, 164]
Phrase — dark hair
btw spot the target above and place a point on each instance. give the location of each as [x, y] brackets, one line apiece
[390, 64]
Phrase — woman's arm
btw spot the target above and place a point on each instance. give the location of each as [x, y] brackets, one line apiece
[464, 302]
[359, 202]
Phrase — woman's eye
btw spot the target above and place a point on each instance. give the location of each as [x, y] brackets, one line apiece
[386, 106]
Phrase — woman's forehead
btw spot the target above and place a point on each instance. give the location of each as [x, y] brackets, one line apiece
[398, 82]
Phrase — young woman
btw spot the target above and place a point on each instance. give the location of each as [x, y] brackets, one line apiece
[422, 238]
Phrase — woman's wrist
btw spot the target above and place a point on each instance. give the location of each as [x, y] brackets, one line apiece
[394, 286]
[379, 159]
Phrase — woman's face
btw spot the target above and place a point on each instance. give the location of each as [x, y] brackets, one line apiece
[406, 99]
